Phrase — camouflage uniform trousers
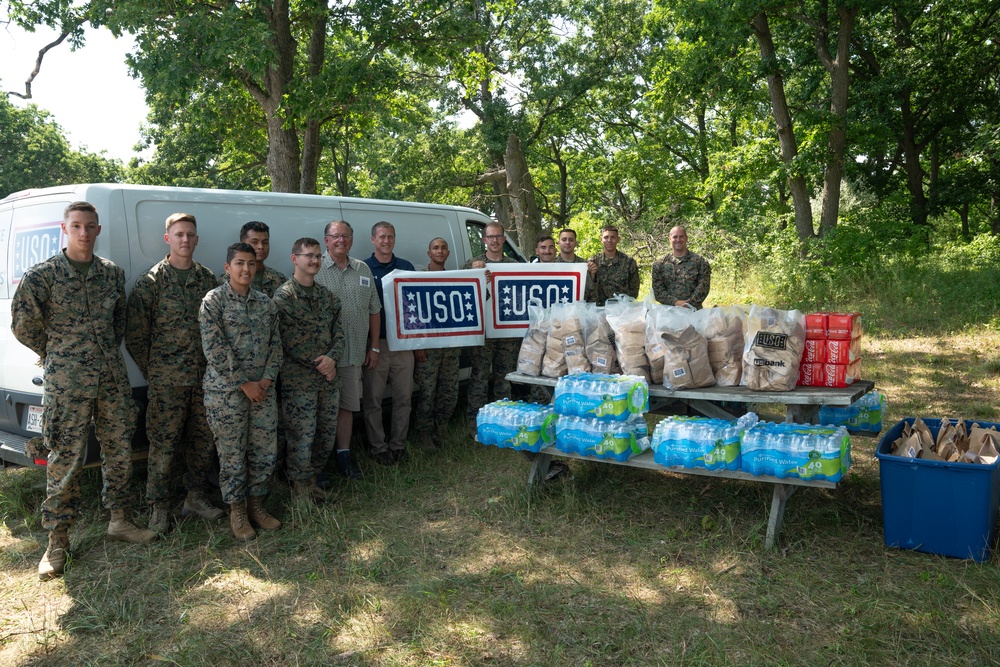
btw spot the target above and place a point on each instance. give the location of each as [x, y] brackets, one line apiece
[246, 439]
[176, 424]
[310, 420]
[437, 379]
[490, 365]
[66, 431]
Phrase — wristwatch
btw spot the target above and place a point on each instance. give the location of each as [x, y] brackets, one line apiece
[376, 350]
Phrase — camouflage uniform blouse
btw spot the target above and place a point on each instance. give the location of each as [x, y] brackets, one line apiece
[163, 335]
[686, 278]
[239, 335]
[614, 276]
[310, 327]
[73, 322]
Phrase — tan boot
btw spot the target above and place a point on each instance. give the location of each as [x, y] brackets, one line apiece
[54, 561]
[238, 521]
[259, 516]
[308, 490]
[197, 503]
[159, 519]
[123, 530]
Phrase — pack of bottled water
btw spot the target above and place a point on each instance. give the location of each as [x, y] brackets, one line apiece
[618, 440]
[516, 425]
[804, 451]
[700, 442]
[600, 396]
[862, 416]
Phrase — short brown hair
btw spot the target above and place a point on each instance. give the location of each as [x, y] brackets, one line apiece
[304, 242]
[81, 206]
[181, 217]
[567, 229]
[609, 228]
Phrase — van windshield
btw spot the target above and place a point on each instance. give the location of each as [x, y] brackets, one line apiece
[476, 229]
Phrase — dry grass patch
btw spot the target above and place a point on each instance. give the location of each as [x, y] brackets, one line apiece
[448, 560]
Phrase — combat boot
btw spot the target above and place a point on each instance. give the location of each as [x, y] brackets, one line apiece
[159, 519]
[197, 503]
[259, 516]
[54, 561]
[123, 530]
[308, 490]
[238, 521]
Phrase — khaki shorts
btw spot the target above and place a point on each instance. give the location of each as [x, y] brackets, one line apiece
[350, 390]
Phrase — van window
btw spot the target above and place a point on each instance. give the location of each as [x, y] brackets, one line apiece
[476, 229]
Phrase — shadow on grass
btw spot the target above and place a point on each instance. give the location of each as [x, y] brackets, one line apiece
[449, 560]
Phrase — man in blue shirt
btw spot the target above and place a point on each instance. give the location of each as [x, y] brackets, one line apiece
[394, 367]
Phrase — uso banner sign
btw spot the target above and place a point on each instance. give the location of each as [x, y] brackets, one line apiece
[512, 286]
[432, 309]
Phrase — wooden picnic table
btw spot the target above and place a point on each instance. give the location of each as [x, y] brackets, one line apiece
[801, 406]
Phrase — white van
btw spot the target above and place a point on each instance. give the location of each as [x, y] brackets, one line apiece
[132, 226]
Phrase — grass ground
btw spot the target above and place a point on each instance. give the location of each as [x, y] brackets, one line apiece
[447, 560]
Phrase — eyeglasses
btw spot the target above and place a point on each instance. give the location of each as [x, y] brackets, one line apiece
[308, 255]
[493, 237]
[340, 237]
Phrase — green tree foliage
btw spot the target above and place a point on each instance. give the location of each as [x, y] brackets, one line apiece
[34, 153]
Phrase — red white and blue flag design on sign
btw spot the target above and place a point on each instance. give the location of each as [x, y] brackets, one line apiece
[512, 286]
[434, 309]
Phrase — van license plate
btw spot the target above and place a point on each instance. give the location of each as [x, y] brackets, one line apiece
[34, 418]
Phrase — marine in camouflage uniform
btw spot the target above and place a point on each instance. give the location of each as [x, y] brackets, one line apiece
[686, 278]
[266, 280]
[310, 328]
[239, 335]
[493, 360]
[617, 275]
[74, 322]
[437, 380]
[164, 339]
[72, 315]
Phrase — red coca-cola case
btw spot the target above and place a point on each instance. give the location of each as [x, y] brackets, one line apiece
[812, 375]
[816, 326]
[843, 326]
[814, 351]
[842, 351]
[841, 375]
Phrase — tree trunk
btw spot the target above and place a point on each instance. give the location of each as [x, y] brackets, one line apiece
[911, 162]
[786, 134]
[310, 139]
[839, 70]
[283, 152]
[521, 189]
[963, 213]
[995, 214]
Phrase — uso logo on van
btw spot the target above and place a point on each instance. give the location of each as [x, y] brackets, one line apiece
[431, 307]
[33, 244]
[512, 290]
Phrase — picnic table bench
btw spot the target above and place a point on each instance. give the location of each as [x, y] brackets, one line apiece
[801, 406]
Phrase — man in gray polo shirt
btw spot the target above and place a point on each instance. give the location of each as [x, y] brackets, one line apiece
[352, 282]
